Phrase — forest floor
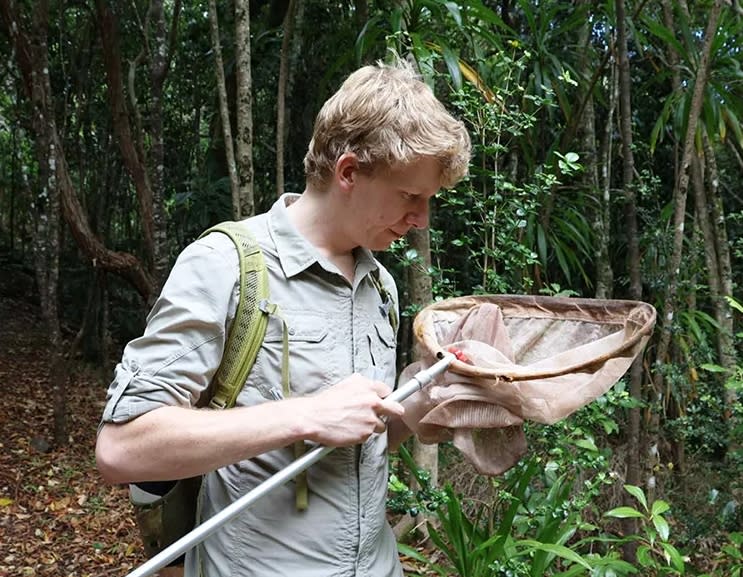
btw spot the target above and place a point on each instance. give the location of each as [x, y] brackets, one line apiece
[57, 516]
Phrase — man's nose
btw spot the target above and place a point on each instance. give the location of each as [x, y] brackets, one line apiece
[418, 218]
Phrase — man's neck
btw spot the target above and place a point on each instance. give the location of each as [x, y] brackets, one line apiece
[317, 219]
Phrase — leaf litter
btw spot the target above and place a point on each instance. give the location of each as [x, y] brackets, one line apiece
[57, 516]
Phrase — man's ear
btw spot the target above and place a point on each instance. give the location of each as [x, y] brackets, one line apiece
[346, 171]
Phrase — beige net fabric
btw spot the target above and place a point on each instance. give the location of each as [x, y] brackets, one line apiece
[528, 357]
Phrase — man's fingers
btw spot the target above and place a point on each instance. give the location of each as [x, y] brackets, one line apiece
[386, 408]
[390, 409]
[382, 389]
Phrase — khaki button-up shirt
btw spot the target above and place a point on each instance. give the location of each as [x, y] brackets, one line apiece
[334, 329]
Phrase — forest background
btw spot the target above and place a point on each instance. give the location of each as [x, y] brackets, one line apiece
[608, 157]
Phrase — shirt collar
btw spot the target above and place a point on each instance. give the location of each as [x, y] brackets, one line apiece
[296, 253]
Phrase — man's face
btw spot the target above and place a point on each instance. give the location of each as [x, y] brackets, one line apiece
[385, 205]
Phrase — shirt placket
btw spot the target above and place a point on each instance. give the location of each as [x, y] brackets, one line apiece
[364, 363]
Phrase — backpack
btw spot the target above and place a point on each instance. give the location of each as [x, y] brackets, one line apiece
[166, 511]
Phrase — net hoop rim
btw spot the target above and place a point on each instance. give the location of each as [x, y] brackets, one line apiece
[617, 311]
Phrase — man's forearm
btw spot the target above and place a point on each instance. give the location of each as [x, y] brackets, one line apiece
[174, 442]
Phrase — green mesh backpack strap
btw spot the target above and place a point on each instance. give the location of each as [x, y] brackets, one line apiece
[249, 326]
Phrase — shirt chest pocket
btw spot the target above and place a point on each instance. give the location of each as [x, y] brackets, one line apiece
[312, 358]
[383, 348]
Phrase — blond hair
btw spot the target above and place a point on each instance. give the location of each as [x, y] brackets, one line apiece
[386, 116]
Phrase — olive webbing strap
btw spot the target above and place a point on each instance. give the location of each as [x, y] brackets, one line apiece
[250, 322]
[301, 489]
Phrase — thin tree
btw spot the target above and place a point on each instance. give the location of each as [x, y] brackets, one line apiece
[633, 243]
[224, 111]
[680, 194]
[426, 456]
[147, 174]
[46, 241]
[719, 236]
[159, 55]
[244, 109]
[281, 95]
[590, 160]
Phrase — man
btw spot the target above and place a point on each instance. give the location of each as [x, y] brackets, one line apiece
[381, 149]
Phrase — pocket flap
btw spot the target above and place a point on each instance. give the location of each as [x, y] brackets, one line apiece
[308, 330]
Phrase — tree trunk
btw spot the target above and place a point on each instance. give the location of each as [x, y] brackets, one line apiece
[224, 110]
[680, 193]
[605, 274]
[13, 186]
[46, 239]
[723, 312]
[590, 158]
[159, 66]
[131, 148]
[149, 182]
[361, 13]
[281, 97]
[633, 251]
[419, 285]
[678, 442]
[673, 60]
[705, 227]
[244, 109]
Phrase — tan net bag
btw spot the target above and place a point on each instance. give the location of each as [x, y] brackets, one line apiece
[525, 357]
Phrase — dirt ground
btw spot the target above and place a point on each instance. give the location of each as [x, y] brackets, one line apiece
[57, 517]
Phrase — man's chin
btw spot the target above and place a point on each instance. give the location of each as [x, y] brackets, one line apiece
[381, 245]
[383, 242]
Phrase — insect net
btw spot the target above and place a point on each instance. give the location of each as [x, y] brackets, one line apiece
[523, 358]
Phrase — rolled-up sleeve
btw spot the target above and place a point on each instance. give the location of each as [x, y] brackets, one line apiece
[175, 359]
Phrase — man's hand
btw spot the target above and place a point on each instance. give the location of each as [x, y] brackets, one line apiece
[349, 412]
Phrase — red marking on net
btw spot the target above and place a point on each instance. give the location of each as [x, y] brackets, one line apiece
[460, 356]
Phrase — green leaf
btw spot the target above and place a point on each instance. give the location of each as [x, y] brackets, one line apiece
[624, 513]
[456, 13]
[587, 444]
[660, 507]
[734, 303]
[452, 64]
[657, 133]
[661, 525]
[559, 550]
[638, 494]
[713, 368]
[732, 552]
[409, 551]
[674, 556]
[644, 557]
[665, 34]
[575, 571]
